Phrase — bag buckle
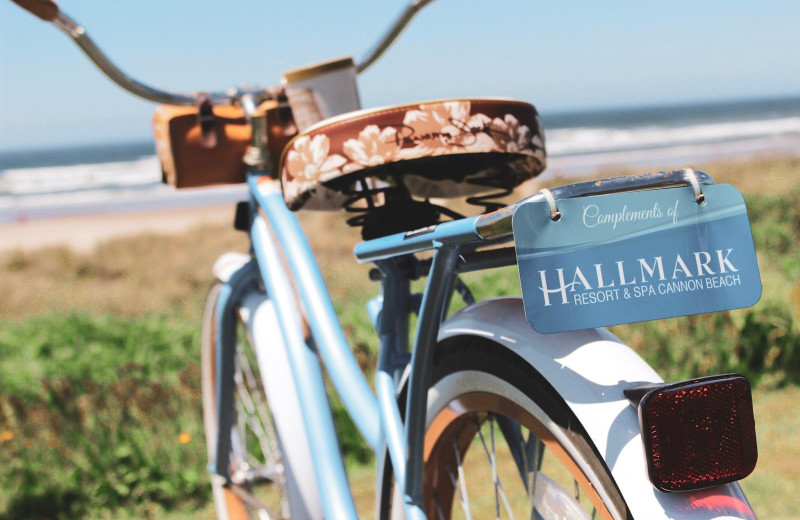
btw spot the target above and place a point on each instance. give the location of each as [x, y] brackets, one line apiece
[207, 122]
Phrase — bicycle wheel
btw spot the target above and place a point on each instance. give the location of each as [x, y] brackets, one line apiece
[256, 466]
[500, 442]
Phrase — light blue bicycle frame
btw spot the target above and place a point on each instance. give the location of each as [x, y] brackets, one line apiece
[285, 263]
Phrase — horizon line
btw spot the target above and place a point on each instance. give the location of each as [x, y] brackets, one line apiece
[597, 109]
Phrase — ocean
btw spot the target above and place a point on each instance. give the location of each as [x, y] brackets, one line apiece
[37, 184]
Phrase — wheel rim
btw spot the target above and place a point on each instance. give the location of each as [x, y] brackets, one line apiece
[467, 442]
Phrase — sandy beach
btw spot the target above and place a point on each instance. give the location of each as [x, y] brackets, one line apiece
[165, 210]
[83, 232]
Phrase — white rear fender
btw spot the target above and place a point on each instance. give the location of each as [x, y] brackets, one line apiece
[590, 369]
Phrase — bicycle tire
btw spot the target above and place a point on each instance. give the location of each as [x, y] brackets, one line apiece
[478, 384]
[230, 504]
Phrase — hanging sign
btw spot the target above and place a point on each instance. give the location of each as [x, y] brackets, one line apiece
[635, 256]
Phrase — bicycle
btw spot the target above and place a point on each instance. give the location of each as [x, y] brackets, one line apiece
[566, 407]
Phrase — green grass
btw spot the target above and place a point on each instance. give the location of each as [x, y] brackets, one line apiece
[103, 414]
[99, 353]
[772, 488]
[79, 347]
[92, 412]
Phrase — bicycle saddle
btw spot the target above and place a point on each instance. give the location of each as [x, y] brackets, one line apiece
[439, 149]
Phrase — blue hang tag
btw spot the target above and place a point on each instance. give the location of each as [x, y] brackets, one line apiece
[635, 256]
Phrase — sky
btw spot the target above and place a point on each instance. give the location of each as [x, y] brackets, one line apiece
[561, 56]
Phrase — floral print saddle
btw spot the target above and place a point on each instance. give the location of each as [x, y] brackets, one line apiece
[439, 148]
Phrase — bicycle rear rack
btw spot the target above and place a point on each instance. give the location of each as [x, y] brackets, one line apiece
[494, 228]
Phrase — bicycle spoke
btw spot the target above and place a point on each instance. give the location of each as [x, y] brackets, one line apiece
[244, 407]
[459, 484]
[247, 369]
[248, 420]
[462, 480]
[266, 428]
[493, 461]
[255, 411]
[265, 451]
[264, 440]
[498, 486]
[260, 408]
[238, 446]
[439, 508]
[528, 477]
[523, 452]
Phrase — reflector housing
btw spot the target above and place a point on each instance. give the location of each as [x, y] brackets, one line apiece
[699, 433]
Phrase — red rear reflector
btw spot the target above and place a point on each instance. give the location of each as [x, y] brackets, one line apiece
[699, 433]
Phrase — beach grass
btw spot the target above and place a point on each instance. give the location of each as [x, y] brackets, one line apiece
[99, 351]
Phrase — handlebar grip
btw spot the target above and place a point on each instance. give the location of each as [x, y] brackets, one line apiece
[47, 10]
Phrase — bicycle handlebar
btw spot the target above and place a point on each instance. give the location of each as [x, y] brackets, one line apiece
[48, 11]
[87, 45]
[391, 35]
